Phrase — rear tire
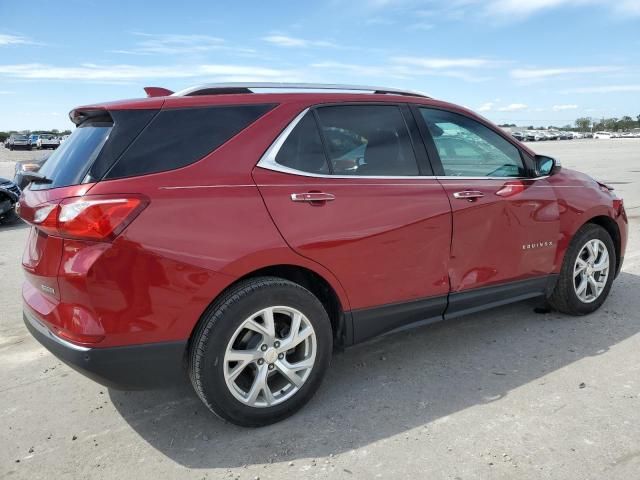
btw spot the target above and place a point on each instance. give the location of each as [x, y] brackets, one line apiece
[587, 272]
[258, 322]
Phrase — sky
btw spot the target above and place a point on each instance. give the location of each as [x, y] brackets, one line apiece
[528, 62]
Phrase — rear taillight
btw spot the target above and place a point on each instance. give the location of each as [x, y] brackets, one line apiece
[92, 217]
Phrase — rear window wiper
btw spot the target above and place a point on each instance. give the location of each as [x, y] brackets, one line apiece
[35, 177]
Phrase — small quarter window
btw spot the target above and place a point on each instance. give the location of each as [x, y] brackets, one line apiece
[302, 150]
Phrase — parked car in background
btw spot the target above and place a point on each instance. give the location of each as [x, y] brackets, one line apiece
[9, 195]
[235, 238]
[48, 141]
[23, 168]
[19, 142]
[603, 135]
[63, 138]
[518, 136]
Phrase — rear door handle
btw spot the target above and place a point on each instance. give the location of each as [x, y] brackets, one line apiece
[470, 195]
[313, 197]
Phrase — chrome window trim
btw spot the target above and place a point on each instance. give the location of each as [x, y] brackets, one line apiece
[268, 162]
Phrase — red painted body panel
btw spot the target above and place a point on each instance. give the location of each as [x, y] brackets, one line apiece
[386, 240]
[492, 235]
[580, 199]
[380, 242]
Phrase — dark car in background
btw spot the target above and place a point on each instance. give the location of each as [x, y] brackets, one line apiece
[17, 141]
[9, 195]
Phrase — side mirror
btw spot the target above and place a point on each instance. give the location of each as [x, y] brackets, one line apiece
[546, 166]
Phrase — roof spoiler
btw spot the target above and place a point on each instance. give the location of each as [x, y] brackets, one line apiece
[157, 92]
[80, 115]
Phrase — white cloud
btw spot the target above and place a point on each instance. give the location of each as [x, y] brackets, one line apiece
[560, 108]
[605, 89]
[287, 41]
[438, 63]
[513, 107]
[485, 107]
[372, 71]
[420, 26]
[123, 73]
[520, 8]
[397, 70]
[498, 11]
[176, 44]
[542, 73]
[6, 39]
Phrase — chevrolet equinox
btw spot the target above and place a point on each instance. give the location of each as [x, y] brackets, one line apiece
[238, 233]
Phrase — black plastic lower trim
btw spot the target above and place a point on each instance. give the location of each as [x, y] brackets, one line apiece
[472, 301]
[370, 322]
[133, 367]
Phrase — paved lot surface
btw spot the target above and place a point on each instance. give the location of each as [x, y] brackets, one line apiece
[500, 395]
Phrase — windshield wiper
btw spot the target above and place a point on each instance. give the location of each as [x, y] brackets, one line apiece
[35, 177]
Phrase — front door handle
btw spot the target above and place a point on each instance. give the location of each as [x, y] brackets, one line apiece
[470, 195]
[313, 197]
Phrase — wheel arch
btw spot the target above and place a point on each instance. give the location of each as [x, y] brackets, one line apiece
[312, 281]
[613, 230]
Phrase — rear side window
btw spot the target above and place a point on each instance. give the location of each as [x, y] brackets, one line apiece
[178, 137]
[70, 162]
[369, 140]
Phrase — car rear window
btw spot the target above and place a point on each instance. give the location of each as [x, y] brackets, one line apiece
[69, 164]
[177, 137]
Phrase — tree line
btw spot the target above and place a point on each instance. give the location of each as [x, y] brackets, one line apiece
[585, 124]
[588, 124]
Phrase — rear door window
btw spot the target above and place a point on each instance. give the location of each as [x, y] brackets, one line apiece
[367, 140]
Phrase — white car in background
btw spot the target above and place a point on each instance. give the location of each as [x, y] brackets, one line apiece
[603, 135]
[48, 141]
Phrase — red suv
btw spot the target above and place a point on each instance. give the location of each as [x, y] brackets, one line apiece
[238, 237]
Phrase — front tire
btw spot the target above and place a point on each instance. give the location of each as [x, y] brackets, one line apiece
[261, 351]
[587, 272]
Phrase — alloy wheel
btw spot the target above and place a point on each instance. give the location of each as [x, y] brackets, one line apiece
[270, 356]
[591, 270]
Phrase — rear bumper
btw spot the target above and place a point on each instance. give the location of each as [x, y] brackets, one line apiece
[135, 367]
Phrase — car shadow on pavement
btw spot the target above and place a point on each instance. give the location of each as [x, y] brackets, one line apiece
[392, 384]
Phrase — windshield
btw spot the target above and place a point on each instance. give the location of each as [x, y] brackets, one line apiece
[71, 161]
